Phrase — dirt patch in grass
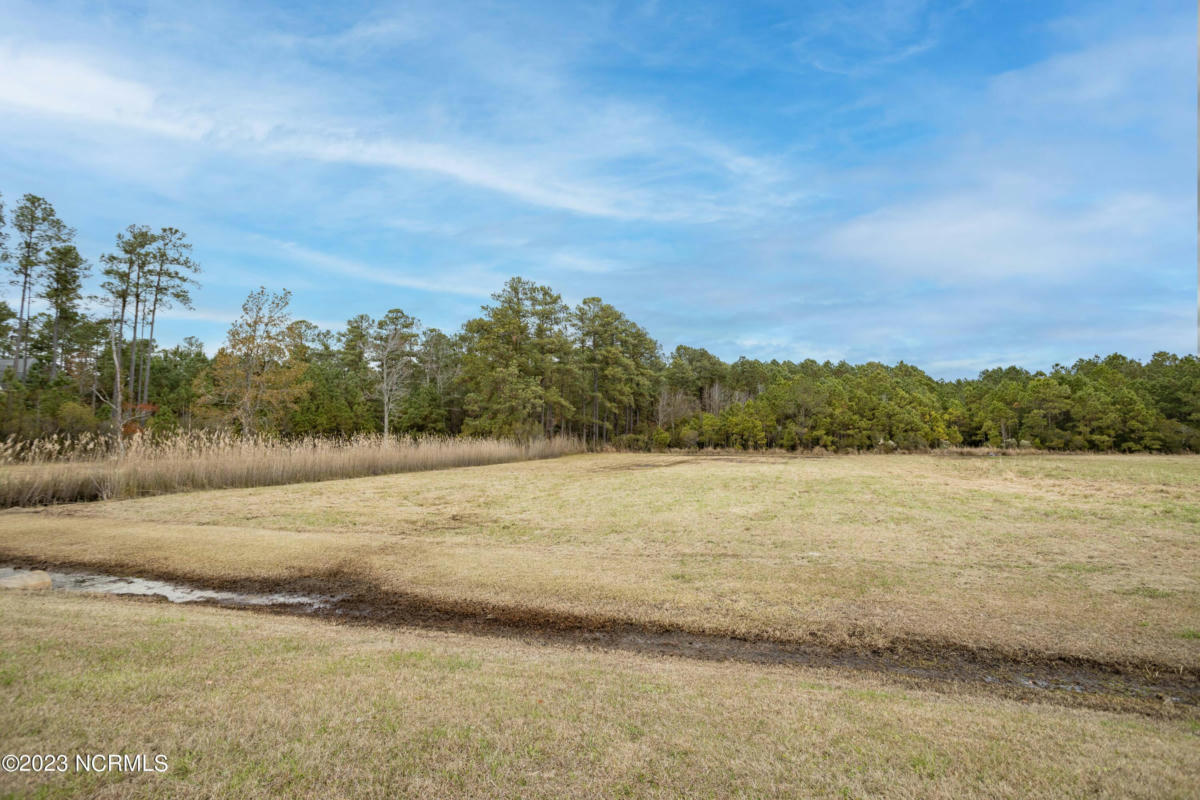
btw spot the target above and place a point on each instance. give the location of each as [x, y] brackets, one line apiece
[636, 465]
[661, 461]
[1137, 686]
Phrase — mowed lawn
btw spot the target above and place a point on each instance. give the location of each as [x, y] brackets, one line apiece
[249, 705]
[1095, 556]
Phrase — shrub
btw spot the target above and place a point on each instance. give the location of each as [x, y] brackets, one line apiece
[689, 437]
[632, 442]
[75, 418]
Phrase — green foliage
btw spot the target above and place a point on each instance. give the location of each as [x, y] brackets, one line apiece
[74, 418]
[528, 367]
[1114, 404]
[164, 421]
[634, 442]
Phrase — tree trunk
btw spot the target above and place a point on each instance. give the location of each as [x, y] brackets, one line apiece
[153, 319]
[133, 348]
[387, 398]
[54, 354]
[246, 412]
[22, 328]
[117, 414]
[149, 358]
[120, 328]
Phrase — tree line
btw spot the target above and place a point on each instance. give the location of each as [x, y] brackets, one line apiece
[528, 366]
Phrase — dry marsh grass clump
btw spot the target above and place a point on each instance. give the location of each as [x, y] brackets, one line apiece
[66, 469]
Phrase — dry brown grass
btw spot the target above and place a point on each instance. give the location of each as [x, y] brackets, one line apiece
[1093, 556]
[255, 706]
[60, 470]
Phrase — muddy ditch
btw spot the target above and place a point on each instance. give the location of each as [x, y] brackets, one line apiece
[1065, 680]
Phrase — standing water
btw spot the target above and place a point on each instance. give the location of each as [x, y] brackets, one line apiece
[176, 593]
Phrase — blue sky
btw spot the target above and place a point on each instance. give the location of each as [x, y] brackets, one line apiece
[957, 185]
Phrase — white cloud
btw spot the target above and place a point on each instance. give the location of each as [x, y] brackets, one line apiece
[521, 181]
[572, 261]
[787, 345]
[1036, 186]
[970, 192]
[225, 317]
[563, 165]
[50, 83]
[853, 39]
[469, 281]
[1125, 82]
[986, 235]
[379, 32]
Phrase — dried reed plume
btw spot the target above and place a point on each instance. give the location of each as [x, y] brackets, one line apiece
[72, 469]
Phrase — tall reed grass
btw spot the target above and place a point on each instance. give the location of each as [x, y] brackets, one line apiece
[65, 470]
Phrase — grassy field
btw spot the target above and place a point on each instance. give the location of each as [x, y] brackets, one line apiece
[1089, 556]
[249, 705]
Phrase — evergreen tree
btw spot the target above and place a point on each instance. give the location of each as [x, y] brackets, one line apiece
[38, 230]
[125, 272]
[168, 280]
[505, 361]
[62, 289]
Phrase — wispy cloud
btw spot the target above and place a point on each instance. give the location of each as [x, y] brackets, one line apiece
[988, 236]
[836, 181]
[464, 280]
[570, 174]
[853, 39]
[222, 316]
[55, 84]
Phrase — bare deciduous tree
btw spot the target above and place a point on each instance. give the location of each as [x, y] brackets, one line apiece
[390, 348]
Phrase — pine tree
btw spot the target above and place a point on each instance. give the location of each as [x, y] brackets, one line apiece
[38, 230]
[169, 282]
[62, 289]
[125, 271]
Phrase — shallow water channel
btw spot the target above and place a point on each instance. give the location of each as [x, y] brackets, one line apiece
[1048, 678]
[176, 593]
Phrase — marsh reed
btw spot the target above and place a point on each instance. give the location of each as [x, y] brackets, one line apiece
[72, 469]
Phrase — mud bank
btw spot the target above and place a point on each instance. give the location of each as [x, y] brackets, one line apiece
[1039, 677]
